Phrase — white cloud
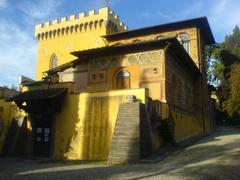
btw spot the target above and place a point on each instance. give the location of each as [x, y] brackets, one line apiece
[17, 46]
[148, 15]
[40, 9]
[18, 53]
[224, 15]
[3, 4]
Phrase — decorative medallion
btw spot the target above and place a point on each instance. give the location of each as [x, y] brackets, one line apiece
[103, 63]
[115, 61]
[144, 58]
[132, 59]
[155, 57]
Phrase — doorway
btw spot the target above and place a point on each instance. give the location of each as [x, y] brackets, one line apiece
[122, 79]
[42, 135]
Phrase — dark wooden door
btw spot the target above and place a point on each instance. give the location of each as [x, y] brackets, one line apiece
[123, 83]
[122, 80]
[42, 135]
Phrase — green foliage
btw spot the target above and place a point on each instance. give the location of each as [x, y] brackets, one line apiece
[210, 63]
[232, 102]
[233, 41]
[226, 70]
[218, 71]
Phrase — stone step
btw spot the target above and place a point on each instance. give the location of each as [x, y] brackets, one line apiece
[126, 138]
[124, 134]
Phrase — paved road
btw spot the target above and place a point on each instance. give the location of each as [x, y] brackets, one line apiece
[214, 157]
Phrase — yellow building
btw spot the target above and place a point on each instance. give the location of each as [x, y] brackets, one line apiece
[9, 114]
[106, 93]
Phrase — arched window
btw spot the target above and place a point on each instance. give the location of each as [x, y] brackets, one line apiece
[185, 41]
[53, 62]
[122, 80]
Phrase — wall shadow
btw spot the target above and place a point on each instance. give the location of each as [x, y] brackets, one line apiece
[16, 140]
[202, 160]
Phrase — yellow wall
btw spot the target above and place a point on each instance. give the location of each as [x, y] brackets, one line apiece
[146, 69]
[186, 125]
[84, 128]
[61, 37]
[8, 112]
[79, 129]
[184, 99]
[192, 32]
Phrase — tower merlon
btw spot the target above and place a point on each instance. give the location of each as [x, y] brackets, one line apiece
[82, 15]
[92, 13]
[116, 17]
[72, 17]
[48, 23]
[63, 19]
[81, 20]
[56, 21]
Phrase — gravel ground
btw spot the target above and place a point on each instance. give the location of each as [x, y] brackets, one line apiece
[214, 157]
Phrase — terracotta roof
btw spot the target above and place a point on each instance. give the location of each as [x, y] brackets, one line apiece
[38, 94]
[130, 48]
[201, 23]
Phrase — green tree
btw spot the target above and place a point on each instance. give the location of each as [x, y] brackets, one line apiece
[225, 69]
[232, 102]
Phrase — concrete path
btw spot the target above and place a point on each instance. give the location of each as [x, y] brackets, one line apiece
[214, 157]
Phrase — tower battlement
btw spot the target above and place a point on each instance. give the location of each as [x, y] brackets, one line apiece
[83, 22]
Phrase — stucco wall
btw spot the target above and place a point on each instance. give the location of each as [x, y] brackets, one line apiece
[192, 32]
[74, 33]
[183, 99]
[84, 128]
[8, 111]
[146, 70]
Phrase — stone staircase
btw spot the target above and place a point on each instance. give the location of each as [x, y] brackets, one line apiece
[128, 144]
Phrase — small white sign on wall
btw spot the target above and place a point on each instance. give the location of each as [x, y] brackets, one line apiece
[39, 130]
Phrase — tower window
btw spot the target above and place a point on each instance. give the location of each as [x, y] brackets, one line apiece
[53, 62]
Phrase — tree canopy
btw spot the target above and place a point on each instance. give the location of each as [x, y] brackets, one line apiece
[225, 70]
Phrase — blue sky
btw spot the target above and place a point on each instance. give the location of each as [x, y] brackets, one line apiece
[18, 48]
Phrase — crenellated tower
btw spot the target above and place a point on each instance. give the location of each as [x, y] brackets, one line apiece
[58, 38]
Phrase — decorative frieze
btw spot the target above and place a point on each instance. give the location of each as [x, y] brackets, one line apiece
[126, 60]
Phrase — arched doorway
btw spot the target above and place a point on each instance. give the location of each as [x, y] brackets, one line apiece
[122, 79]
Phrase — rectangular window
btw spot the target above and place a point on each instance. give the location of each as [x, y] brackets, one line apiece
[97, 76]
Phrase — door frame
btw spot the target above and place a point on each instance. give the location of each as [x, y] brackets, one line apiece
[33, 135]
